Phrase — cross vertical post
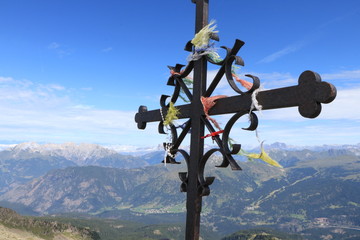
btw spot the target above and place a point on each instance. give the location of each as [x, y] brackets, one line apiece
[194, 199]
[307, 95]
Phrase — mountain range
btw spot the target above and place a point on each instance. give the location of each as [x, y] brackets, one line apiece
[83, 154]
[23, 162]
[317, 193]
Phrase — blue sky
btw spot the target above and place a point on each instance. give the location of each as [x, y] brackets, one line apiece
[77, 71]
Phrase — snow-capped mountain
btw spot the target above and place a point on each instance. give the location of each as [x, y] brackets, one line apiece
[81, 154]
[25, 161]
[135, 150]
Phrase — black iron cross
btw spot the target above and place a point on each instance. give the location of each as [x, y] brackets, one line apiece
[307, 96]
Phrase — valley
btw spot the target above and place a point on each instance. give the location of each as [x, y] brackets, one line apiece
[315, 194]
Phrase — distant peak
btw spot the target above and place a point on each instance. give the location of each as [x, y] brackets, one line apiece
[26, 146]
[78, 153]
[278, 145]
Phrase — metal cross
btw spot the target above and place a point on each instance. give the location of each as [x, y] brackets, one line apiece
[307, 96]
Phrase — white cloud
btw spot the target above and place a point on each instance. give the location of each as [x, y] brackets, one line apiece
[275, 79]
[60, 50]
[87, 88]
[108, 49]
[267, 81]
[25, 94]
[55, 87]
[35, 112]
[285, 51]
[345, 105]
[53, 45]
[5, 79]
[311, 132]
[342, 75]
[50, 113]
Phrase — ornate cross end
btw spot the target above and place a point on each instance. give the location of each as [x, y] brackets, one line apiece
[307, 95]
[312, 92]
[141, 124]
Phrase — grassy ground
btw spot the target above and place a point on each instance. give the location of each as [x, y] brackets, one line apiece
[12, 234]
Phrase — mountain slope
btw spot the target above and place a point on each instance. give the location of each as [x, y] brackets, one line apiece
[91, 188]
[27, 161]
[79, 189]
[14, 226]
[261, 234]
[22, 167]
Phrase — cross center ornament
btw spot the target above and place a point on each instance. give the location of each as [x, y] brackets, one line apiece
[307, 96]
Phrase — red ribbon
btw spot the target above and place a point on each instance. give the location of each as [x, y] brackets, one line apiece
[172, 72]
[213, 134]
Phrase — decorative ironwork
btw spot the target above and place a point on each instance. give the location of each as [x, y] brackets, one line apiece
[307, 96]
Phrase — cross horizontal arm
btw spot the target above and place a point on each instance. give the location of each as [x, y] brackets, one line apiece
[308, 96]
